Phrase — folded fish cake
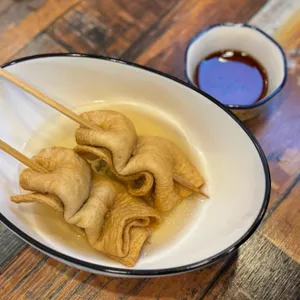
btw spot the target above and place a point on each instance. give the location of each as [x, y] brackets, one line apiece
[115, 223]
[116, 133]
[126, 225]
[148, 163]
[69, 178]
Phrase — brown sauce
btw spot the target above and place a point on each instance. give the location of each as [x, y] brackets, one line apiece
[232, 77]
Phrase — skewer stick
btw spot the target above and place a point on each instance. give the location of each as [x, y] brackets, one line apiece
[70, 114]
[187, 184]
[22, 158]
[67, 112]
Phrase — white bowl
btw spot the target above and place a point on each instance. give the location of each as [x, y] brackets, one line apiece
[234, 165]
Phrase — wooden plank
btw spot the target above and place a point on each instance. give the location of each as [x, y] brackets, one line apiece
[281, 184]
[185, 286]
[107, 27]
[4, 6]
[268, 273]
[163, 48]
[262, 272]
[43, 43]
[14, 12]
[16, 36]
[13, 279]
[11, 246]
[29, 275]
[281, 121]
[284, 107]
[289, 37]
[274, 14]
[283, 227]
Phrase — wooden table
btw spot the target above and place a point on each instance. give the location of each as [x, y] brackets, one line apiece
[155, 33]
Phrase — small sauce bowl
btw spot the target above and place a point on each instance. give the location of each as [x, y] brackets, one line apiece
[246, 38]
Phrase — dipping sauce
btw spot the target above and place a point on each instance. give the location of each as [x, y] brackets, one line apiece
[232, 77]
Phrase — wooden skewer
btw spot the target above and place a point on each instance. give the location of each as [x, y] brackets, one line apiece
[67, 112]
[22, 158]
[187, 184]
[75, 117]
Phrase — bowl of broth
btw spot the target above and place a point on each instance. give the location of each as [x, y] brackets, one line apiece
[134, 103]
[239, 65]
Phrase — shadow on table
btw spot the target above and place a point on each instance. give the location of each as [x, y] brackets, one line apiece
[189, 285]
[257, 124]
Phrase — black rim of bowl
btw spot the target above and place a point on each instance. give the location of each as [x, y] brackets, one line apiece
[151, 272]
[266, 98]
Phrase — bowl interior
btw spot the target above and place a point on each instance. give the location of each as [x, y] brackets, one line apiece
[218, 145]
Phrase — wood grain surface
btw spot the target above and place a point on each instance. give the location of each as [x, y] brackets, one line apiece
[25, 20]
[261, 271]
[155, 33]
[10, 247]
